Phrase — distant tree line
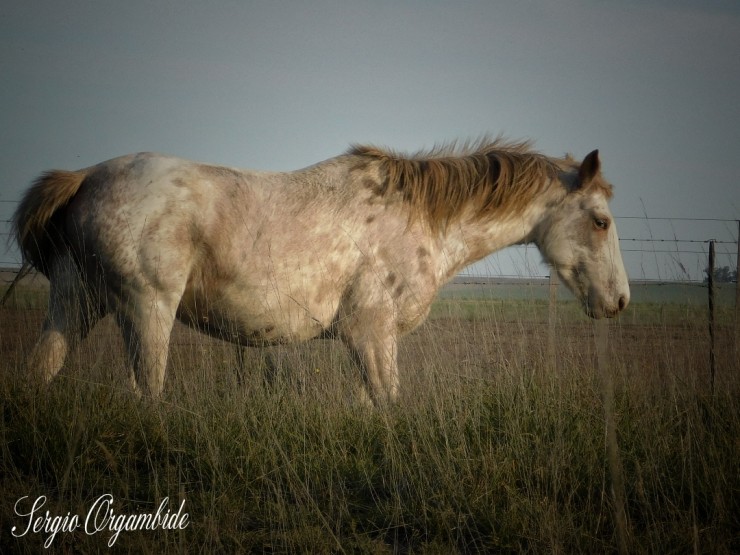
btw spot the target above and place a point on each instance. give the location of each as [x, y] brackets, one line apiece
[722, 275]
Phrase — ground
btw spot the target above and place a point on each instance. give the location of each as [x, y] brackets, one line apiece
[497, 442]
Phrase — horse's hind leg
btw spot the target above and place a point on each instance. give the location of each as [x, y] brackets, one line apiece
[146, 323]
[72, 314]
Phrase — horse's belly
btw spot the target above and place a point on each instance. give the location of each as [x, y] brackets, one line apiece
[272, 320]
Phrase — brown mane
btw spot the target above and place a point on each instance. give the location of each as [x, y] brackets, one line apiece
[486, 178]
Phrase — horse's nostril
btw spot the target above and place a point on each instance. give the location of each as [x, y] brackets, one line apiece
[622, 302]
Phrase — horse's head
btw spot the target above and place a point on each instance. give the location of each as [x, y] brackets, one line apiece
[578, 237]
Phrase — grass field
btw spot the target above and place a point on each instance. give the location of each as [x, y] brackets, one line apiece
[497, 444]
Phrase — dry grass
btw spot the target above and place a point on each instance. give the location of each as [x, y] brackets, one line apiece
[493, 446]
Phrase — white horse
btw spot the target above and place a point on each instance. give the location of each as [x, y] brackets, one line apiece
[355, 247]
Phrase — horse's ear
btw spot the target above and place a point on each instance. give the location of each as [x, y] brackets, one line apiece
[589, 168]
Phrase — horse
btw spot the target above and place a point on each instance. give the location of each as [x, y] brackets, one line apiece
[355, 247]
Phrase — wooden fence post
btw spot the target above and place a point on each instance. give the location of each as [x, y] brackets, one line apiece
[737, 295]
[551, 318]
[616, 472]
[710, 288]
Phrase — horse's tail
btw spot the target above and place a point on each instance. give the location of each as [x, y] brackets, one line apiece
[23, 272]
[38, 222]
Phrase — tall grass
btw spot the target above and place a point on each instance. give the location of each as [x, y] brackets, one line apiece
[491, 447]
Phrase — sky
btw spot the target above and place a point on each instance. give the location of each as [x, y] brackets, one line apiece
[279, 85]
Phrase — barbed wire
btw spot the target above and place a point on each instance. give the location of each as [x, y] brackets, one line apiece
[682, 245]
[650, 240]
[678, 219]
[646, 218]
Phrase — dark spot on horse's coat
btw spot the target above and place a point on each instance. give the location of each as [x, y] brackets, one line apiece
[378, 189]
[268, 329]
[194, 232]
[152, 229]
[390, 279]
[370, 219]
[423, 254]
[399, 291]
[179, 182]
[360, 166]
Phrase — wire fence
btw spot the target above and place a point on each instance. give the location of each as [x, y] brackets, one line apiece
[667, 259]
[654, 249]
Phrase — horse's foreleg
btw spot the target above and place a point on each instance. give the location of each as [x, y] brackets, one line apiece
[378, 361]
[373, 344]
[146, 332]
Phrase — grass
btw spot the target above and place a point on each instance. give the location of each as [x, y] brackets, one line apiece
[494, 446]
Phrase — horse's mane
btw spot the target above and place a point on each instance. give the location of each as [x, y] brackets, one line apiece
[485, 178]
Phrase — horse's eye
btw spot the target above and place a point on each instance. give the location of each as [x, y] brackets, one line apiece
[601, 223]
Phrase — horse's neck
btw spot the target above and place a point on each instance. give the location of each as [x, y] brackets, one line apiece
[468, 241]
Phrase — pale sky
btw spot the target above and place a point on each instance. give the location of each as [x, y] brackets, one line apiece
[655, 85]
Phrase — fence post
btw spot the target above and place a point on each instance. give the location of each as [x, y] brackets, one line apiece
[710, 288]
[551, 317]
[737, 295]
[616, 472]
